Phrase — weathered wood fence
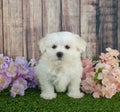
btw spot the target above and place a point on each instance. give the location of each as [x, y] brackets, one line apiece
[24, 22]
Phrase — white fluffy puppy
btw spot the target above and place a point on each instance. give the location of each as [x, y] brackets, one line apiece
[60, 66]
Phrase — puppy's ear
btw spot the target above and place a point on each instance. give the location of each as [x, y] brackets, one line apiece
[81, 44]
[42, 45]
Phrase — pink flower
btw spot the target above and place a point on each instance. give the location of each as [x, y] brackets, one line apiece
[105, 80]
[87, 67]
[86, 62]
[112, 52]
[97, 91]
[88, 84]
[96, 94]
[100, 76]
[104, 57]
[113, 62]
[109, 90]
[111, 57]
[103, 66]
[116, 74]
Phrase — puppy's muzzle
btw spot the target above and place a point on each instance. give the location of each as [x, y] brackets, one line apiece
[59, 54]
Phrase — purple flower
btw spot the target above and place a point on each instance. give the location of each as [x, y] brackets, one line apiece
[19, 73]
[17, 90]
[30, 73]
[21, 61]
[18, 87]
[22, 65]
[32, 83]
[22, 70]
[4, 81]
[21, 82]
[11, 71]
[4, 65]
[31, 79]
[7, 59]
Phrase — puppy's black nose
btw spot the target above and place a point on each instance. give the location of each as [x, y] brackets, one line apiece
[59, 54]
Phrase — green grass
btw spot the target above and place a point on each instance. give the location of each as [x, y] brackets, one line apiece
[31, 102]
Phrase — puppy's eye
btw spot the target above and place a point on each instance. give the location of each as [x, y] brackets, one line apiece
[54, 46]
[67, 47]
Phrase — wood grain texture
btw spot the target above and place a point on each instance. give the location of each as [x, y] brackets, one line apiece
[32, 27]
[71, 16]
[107, 25]
[88, 25]
[24, 22]
[51, 16]
[12, 21]
[118, 24]
[1, 29]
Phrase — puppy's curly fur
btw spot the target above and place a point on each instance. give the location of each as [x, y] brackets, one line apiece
[60, 65]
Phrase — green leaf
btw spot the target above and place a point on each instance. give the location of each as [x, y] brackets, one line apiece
[95, 59]
[99, 70]
[100, 81]
[96, 77]
[118, 57]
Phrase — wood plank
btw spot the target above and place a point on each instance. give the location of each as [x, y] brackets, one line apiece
[1, 29]
[118, 25]
[88, 26]
[32, 26]
[51, 16]
[26, 21]
[107, 25]
[12, 21]
[71, 16]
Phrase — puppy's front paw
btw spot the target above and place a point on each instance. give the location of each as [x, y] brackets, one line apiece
[48, 96]
[75, 94]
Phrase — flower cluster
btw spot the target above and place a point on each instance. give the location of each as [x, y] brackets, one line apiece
[18, 74]
[102, 77]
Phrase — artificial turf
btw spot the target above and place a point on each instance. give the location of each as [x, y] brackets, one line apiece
[31, 102]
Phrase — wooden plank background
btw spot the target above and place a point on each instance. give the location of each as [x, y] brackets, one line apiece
[1, 28]
[24, 22]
